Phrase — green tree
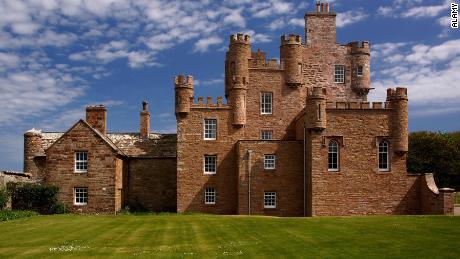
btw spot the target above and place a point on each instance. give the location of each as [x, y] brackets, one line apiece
[437, 153]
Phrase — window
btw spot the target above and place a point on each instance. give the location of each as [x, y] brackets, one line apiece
[299, 68]
[210, 129]
[383, 156]
[81, 196]
[359, 71]
[81, 162]
[339, 74]
[266, 103]
[333, 156]
[210, 163]
[269, 200]
[269, 161]
[266, 134]
[209, 196]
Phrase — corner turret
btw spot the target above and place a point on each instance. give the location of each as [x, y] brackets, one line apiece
[32, 149]
[183, 88]
[291, 58]
[237, 75]
[316, 109]
[361, 67]
[399, 119]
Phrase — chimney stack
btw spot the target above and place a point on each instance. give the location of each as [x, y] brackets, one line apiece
[96, 116]
[145, 120]
[317, 6]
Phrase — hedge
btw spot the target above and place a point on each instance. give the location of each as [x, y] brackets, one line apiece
[35, 197]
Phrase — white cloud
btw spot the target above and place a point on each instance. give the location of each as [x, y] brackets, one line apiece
[350, 17]
[424, 11]
[208, 82]
[235, 18]
[203, 45]
[276, 24]
[412, 9]
[430, 72]
[297, 22]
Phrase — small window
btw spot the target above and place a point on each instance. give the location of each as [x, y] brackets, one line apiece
[266, 103]
[339, 74]
[81, 196]
[210, 129]
[269, 162]
[269, 200]
[210, 164]
[209, 196]
[333, 156]
[81, 162]
[232, 68]
[383, 156]
[266, 135]
[359, 71]
[299, 68]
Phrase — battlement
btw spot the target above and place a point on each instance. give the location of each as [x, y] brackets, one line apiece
[33, 132]
[182, 80]
[358, 105]
[400, 93]
[98, 107]
[360, 47]
[239, 80]
[291, 39]
[240, 38]
[199, 103]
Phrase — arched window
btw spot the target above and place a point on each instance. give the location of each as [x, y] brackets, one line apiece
[383, 156]
[333, 156]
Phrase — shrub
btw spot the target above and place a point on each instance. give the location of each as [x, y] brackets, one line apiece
[15, 214]
[35, 197]
[3, 198]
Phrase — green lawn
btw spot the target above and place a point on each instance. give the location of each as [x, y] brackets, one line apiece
[219, 236]
[457, 198]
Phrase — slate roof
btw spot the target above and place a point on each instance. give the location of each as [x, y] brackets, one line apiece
[156, 146]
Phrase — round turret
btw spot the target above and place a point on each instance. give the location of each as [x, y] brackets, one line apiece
[399, 120]
[33, 148]
[238, 101]
[237, 60]
[361, 67]
[316, 109]
[183, 87]
[291, 58]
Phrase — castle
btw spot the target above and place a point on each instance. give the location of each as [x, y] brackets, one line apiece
[295, 138]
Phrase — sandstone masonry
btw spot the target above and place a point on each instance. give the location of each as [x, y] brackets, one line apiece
[294, 138]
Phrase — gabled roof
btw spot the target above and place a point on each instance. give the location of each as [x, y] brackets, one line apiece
[106, 140]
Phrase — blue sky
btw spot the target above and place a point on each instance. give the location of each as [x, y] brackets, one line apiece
[57, 56]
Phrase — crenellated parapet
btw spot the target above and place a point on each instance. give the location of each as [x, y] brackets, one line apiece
[291, 59]
[360, 47]
[183, 88]
[400, 123]
[240, 38]
[199, 103]
[358, 105]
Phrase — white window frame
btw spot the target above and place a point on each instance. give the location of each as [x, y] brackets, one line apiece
[209, 195]
[339, 78]
[83, 191]
[266, 105]
[81, 160]
[210, 129]
[335, 154]
[269, 161]
[358, 70]
[207, 164]
[383, 150]
[270, 200]
[266, 135]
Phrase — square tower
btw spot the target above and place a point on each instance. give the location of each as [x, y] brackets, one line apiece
[320, 28]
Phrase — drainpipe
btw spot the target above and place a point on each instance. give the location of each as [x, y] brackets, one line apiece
[304, 163]
[249, 181]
